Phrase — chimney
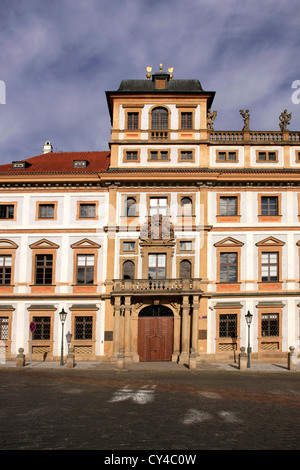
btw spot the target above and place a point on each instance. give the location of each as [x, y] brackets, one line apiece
[47, 147]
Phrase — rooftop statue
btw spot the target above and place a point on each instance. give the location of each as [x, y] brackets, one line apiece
[284, 120]
[246, 116]
[211, 116]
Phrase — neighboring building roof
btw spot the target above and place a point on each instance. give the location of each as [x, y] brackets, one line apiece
[60, 162]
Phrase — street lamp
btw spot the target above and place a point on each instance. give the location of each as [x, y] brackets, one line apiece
[62, 316]
[248, 320]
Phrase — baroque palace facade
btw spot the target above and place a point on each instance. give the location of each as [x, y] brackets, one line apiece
[160, 246]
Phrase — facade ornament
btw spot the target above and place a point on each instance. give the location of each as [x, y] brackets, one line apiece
[284, 120]
[211, 116]
[246, 116]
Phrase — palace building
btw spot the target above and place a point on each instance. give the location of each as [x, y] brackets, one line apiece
[160, 246]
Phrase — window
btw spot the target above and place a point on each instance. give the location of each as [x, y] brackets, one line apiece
[185, 245]
[186, 156]
[159, 119]
[228, 325]
[157, 266]
[87, 211]
[158, 206]
[85, 269]
[132, 120]
[159, 155]
[266, 156]
[83, 328]
[3, 328]
[186, 120]
[270, 324]
[186, 206]
[128, 269]
[129, 246]
[46, 211]
[185, 269]
[7, 211]
[130, 207]
[131, 156]
[5, 269]
[228, 205]
[269, 267]
[226, 156]
[269, 205]
[228, 267]
[43, 269]
[42, 328]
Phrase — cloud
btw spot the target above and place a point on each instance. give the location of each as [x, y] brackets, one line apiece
[58, 58]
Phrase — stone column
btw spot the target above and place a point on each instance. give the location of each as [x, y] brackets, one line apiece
[127, 337]
[195, 323]
[117, 313]
[184, 356]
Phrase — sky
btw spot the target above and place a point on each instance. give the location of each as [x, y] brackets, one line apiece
[59, 57]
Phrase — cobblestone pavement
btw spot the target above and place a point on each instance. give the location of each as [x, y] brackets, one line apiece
[149, 407]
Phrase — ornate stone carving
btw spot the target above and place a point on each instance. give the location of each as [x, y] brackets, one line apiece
[211, 116]
[284, 120]
[246, 116]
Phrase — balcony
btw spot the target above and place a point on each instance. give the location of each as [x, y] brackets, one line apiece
[157, 286]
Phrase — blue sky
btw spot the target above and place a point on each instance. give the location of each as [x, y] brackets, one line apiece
[58, 57]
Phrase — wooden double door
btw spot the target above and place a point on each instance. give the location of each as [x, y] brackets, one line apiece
[155, 334]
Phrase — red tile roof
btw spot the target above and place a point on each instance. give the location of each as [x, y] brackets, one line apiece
[60, 162]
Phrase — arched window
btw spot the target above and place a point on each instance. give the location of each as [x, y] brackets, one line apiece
[128, 269]
[185, 269]
[130, 207]
[160, 118]
[186, 206]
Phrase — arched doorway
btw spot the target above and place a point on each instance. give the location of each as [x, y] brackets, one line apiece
[155, 333]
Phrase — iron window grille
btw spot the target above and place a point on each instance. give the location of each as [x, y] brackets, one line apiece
[3, 328]
[42, 328]
[228, 325]
[83, 328]
[270, 324]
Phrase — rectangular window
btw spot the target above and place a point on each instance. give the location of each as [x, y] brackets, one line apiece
[85, 269]
[46, 211]
[3, 328]
[42, 328]
[228, 267]
[186, 120]
[43, 269]
[186, 155]
[7, 211]
[159, 155]
[269, 205]
[228, 326]
[5, 269]
[226, 156]
[157, 266]
[158, 206]
[269, 267]
[129, 246]
[270, 324]
[87, 211]
[131, 156]
[132, 120]
[267, 156]
[185, 245]
[83, 327]
[228, 205]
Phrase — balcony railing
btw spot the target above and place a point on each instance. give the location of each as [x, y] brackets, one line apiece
[254, 136]
[158, 286]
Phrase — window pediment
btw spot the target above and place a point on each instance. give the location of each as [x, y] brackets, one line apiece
[44, 243]
[270, 241]
[85, 243]
[229, 242]
[7, 244]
